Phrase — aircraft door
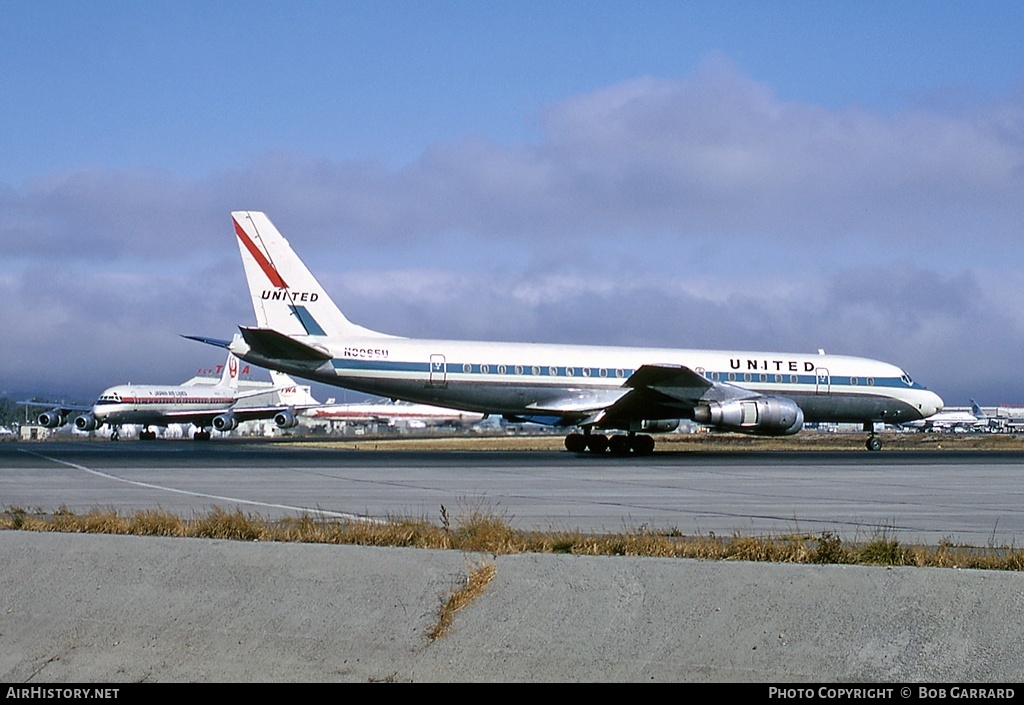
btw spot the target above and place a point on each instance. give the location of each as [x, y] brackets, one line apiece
[823, 381]
[438, 371]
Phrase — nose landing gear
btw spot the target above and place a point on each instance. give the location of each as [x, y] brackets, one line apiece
[873, 442]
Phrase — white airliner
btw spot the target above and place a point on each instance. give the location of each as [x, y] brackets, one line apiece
[953, 419]
[300, 331]
[393, 414]
[201, 405]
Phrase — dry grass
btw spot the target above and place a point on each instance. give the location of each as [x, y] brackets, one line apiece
[477, 580]
[476, 529]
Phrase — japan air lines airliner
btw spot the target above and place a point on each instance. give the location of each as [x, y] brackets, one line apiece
[201, 405]
[590, 389]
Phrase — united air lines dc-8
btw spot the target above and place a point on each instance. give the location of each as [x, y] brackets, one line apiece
[593, 388]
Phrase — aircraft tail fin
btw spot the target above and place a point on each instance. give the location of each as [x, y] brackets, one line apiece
[976, 410]
[291, 393]
[286, 297]
[229, 376]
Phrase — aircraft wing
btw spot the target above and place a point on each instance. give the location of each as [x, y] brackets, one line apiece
[239, 413]
[56, 406]
[682, 384]
[652, 392]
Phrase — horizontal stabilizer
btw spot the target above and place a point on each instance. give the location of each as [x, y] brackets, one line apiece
[270, 344]
[216, 342]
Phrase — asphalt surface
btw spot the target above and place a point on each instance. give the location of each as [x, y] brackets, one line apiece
[109, 609]
[914, 496]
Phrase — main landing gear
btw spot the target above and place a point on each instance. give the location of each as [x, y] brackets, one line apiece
[618, 444]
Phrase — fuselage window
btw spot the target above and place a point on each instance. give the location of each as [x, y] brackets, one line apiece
[586, 371]
[854, 382]
[619, 373]
[778, 379]
[536, 370]
[764, 377]
[794, 379]
[746, 376]
[871, 381]
[467, 368]
[732, 376]
[484, 369]
[603, 372]
[553, 371]
[569, 371]
[519, 369]
[501, 369]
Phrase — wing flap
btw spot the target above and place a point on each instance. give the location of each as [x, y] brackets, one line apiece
[583, 401]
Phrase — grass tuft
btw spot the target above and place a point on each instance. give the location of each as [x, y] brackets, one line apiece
[476, 582]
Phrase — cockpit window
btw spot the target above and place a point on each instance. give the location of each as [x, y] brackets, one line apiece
[906, 380]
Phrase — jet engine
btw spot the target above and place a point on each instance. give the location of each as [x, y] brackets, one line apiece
[86, 422]
[225, 422]
[52, 418]
[286, 419]
[768, 416]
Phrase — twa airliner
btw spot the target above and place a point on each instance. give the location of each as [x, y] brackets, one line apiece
[302, 332]
[394, 414]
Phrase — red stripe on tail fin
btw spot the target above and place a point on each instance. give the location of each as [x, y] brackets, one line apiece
[261, 260]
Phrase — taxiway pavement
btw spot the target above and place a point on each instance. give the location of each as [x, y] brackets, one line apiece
[971, 497]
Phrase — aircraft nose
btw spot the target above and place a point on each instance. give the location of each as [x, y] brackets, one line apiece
[932, 404]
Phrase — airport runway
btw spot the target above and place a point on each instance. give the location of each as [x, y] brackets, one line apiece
[972, 497]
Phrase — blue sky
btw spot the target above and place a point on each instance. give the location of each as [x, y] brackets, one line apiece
[752, 175]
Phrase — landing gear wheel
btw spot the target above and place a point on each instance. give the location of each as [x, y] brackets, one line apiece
[597, 443]
[643, 445]
[873, 443]
[619, 445]
[575, 443]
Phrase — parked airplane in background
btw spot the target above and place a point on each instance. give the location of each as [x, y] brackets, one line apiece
[984, 421]
[952, 419]
[201, 405]
[300, 331]
[393, 414]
